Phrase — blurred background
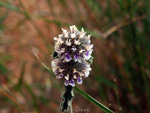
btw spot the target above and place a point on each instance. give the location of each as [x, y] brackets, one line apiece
[120, 77]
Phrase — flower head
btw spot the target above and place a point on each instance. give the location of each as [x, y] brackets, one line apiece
[72, 56]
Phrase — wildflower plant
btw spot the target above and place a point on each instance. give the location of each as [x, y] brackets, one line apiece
[71, 60]
[72, 56]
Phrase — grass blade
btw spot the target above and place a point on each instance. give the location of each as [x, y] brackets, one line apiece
[12, 99]
[3, 69]
[91, 99]
[8, 6]
[20, 81]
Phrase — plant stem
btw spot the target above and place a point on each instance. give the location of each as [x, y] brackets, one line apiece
[71, 107]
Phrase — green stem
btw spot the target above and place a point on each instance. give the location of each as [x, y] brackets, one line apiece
[91, 99]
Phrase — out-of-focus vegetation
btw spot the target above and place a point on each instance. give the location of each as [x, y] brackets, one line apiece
[120, 30]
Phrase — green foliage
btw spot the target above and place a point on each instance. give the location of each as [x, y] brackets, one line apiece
[3, 69]
[9, 6]
[91, 99]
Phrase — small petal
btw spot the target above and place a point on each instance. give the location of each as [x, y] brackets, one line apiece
[89, 47]
[72, 83]
[74, 70]
[71, 28]
[82, 35]
[61, 75]
[62, 50]
[88, 37]
[73, 35]
[76, 57]
[87, 54]
[86, 74]
[88, 68]
[60, 41]
[67, 57]
[66, 82]
[68, 43]
[75, 28]
[53, 64]
[81, 51]
[79, 60]
[79, 80]
[76, 42]
[60, 36]
[66, 35]
[82, 30]
[61, 70]
[74, 76]
[67, 77]
[64, 31]
[73, 48]
[55, 38]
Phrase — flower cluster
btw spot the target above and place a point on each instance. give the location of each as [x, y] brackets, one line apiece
[72, 56]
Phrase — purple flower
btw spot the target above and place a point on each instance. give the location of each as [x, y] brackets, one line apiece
[73, 51]
[76, 57]
[61, 76]
[87, 54]
[66, 83]
[79, 80]
[72, 83]
[67, 57]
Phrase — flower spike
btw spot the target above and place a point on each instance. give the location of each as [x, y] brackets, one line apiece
[72, 58]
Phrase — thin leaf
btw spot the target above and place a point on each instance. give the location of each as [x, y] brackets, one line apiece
[12, 99]
[91, 99]
[20, 81]
[3, 69]
[34, 97]
[8, 6]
